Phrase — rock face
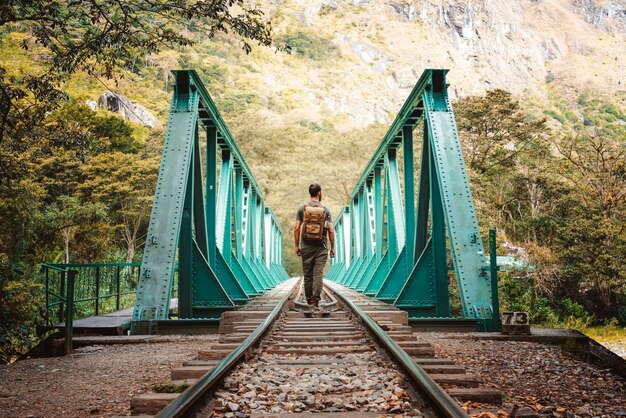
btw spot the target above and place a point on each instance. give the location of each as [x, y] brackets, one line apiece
[93, 105]
[129, 110]
[372, 52]
[608, 17]
[527, 47]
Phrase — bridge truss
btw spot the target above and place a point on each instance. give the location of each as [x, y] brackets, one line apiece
[394, 243]
[212, 237]
[210, 234]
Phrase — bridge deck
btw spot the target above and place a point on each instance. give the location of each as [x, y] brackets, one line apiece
[112, 323]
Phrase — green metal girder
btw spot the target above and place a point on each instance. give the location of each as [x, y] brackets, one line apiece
[438, 238]
[396, 232]
[218, 241]
[417, 296]
[394, 279]
[372, 264]
[380, 274]
[408, 261]
[159, 259]
[466, 244]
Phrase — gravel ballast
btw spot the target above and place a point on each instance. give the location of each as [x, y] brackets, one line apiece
[99, 381]
[94, 381]
[543, 377]
[367, 383]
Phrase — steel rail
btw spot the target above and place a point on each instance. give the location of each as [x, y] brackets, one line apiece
[441, 400]
[186, 402]
[333, 300]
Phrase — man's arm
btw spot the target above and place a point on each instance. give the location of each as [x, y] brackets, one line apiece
[296, 236]
[331, 238]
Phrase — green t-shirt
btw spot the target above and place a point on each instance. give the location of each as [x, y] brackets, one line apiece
[328, 219]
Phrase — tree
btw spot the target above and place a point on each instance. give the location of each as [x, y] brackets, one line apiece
[592, 242]
[591, 249]
[595, 164]
[561, 200]
[495, 130]
[509, 162]
[19, 302]
[36, 169]
[106, 38]
[125, 184]
[20, 216]
[67, 214]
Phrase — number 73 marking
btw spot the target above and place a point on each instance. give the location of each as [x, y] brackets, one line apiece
[515, 318]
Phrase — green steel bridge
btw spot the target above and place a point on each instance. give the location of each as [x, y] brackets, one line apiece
[212, 240]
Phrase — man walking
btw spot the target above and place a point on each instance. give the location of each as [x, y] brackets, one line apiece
[313, 222]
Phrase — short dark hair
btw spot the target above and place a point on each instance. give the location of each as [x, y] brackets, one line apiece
[314, 189]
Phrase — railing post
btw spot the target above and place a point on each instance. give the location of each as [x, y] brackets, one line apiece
[493, 267]
[47, 294]
[69, 314]
[117, 288]
[97, 290]
[62, 292]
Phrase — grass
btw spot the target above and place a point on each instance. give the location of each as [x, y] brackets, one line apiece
[611, 333]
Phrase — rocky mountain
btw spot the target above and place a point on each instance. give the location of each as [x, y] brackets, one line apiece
[370, 52]
[355, 61]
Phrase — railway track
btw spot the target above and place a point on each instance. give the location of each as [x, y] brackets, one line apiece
[274, 357]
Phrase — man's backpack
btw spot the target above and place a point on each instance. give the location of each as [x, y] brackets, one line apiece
[313, 223]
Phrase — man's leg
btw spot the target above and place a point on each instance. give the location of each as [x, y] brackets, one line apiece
[321, 255]
[308, 264]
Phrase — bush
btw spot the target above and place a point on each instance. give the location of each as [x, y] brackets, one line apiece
[238, 101]
[19, 302]
[518, 294]
[572, 309]
[310, 45]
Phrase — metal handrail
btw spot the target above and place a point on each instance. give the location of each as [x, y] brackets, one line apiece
[68, 300]
[182, 404]
[52, 266]
[442, 401]
[110, 295]
[111, 274]
[59, 265]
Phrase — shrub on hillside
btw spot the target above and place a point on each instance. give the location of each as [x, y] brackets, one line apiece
[310, 45]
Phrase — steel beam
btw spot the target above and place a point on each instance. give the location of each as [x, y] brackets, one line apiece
[408, 261]
[214, 231]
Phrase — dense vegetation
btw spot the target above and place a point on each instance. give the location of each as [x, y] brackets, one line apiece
[560, 195]
[76, 185]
